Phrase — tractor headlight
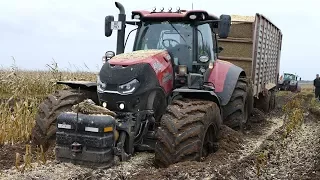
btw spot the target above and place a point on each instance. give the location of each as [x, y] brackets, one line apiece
[292, 82]
[129, 87]
[204, 59]
[100, 85]
[182, 70]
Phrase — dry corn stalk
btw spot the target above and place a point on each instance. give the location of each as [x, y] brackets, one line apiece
[88, 107]
[260, 162]
[18, 159]
[20, 94]
[41, 157]
[27, 157]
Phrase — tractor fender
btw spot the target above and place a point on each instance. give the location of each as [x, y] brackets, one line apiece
[198, 94]
[83, 85]
[158, 96]
[224, 77]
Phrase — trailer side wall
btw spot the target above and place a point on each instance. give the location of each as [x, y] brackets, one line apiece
[255, 46]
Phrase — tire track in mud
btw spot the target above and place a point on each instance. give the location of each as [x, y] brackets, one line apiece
[294, 157]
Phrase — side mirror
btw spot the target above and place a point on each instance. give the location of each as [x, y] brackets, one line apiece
[107, 56]
[224, 26]
[107, 26]
[220, 49]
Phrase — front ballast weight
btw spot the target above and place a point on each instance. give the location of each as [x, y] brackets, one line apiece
[85, 139]
[95, 139]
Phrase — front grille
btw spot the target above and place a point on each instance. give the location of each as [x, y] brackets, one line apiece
[112, 87]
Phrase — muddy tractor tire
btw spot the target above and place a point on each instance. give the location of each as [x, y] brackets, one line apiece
[236, 112]
[250, 100]
[188, 131]
[263, 103]
[43, 133]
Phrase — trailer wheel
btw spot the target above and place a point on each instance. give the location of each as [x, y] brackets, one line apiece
[237, 109]
[188, 131]
[43, 133]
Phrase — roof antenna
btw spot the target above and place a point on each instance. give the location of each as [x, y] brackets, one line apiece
[192, 5]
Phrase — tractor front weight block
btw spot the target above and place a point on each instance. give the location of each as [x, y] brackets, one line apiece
[85, 139]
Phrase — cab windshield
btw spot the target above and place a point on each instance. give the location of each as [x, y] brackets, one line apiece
[289, 77]
[177, 38]
[174, 37]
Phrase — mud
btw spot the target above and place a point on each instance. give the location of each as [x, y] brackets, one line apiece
[259, 152]
[233, 147]
[7, 154]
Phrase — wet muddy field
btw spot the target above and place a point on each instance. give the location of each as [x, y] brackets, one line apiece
[259, 152]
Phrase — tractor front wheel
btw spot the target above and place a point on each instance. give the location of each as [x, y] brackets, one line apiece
[188, 131]
[43, 133]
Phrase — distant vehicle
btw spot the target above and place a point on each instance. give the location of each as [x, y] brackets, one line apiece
[289, 82]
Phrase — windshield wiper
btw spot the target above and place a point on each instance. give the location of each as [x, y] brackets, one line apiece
[178, 32]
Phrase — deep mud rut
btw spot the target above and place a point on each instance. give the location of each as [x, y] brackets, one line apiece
[295, 157]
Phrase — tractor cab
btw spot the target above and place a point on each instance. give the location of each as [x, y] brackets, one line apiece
[288, 76]
[189, 37]
[288, 81]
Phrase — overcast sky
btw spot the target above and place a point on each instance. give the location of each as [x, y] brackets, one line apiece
[72, 31]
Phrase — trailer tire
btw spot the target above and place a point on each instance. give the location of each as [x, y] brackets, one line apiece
[188, 131]
[236, 111]
[43, 133]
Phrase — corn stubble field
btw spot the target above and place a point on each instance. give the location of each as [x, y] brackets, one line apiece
[283, 144]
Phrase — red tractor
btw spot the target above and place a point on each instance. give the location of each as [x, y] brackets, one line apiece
[170, 95]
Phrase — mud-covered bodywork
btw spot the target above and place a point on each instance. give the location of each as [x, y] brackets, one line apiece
[136, 86]
[139, 80]
[223, 77]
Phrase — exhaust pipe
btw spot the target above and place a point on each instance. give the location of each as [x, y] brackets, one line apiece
[121, 32]
[120, 7]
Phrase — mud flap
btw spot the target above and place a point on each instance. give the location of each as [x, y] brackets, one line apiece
[85, 139]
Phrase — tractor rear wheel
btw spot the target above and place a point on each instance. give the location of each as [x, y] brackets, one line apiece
[238, 109]
[43, 133]
[188, 131]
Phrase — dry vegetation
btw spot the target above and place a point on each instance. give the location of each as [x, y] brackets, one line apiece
[21, 92]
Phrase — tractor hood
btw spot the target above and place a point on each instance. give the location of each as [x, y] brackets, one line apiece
[149, 67]
[142, 65]
[137, 57]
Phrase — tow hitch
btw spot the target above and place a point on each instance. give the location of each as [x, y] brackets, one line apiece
[76, 147]
[85, 139]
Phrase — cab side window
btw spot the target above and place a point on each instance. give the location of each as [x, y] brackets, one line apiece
[205, 41]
